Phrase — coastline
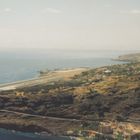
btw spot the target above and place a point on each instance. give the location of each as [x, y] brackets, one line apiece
[45, 78]
[63, 124]
[134, 57]
[48, 74]
[29, 69]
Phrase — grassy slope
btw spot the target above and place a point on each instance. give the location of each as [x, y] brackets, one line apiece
[130, 57]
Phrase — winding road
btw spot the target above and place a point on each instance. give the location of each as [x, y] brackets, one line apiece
[63, 119]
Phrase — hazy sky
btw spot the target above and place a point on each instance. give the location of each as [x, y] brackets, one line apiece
[70, 24]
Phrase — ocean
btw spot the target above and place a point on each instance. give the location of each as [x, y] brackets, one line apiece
[26, 64]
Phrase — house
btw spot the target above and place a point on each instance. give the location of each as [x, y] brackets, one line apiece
[107, 71]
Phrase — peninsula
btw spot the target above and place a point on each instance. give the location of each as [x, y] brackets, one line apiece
[129, 57]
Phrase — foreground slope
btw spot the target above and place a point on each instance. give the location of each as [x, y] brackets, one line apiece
[102, 101]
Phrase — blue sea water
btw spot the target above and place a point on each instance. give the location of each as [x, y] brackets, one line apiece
[25, 64]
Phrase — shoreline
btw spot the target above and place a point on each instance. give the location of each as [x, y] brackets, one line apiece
[23, 83]
[35, 73]
[25, 112]
[47, 77]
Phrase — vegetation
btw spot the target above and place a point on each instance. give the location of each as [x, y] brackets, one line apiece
[94, 96]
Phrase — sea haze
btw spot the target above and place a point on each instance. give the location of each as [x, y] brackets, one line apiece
[22, 65]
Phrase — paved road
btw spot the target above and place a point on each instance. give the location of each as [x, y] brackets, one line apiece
[40, 116]
[47, 117]
[63, 119]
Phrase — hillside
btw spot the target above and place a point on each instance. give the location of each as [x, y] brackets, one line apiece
[103, 101]
[130, 57]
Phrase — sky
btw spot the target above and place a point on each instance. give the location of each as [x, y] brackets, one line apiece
[70, 24]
